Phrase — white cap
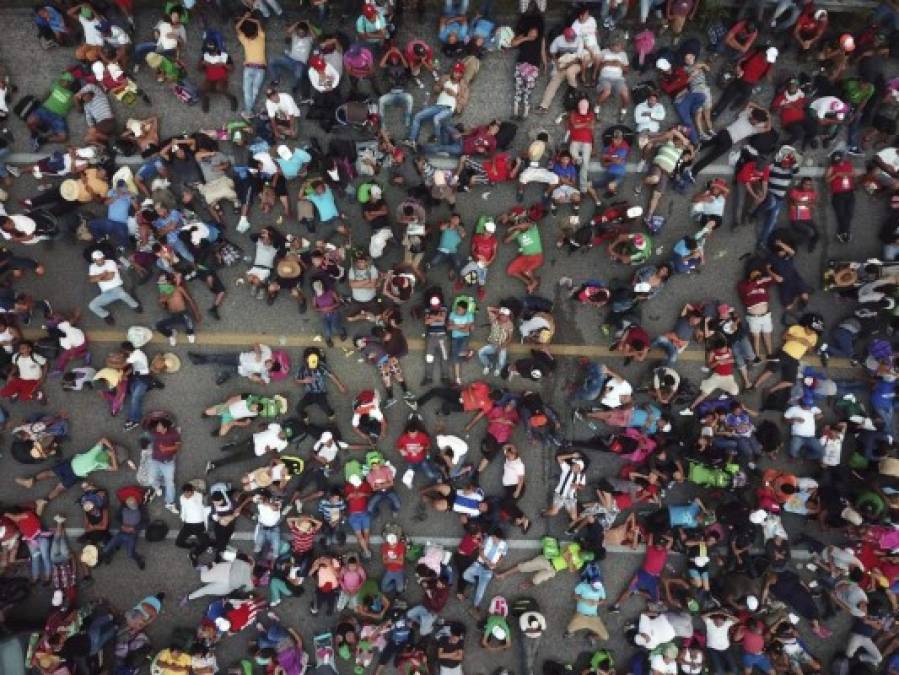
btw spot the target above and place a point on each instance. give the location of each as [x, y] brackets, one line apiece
[97, 254]
[326, 437]
[223, 624]
[490, 226]
[820, 14]
[794, 619]
[758, 517]
[663, 64]
[57, 599]
[642, 287]
[771, 54]
[375, 192]
[355, 480]
[752, 603]
[391, 538]
[505, 311]
[284, 152]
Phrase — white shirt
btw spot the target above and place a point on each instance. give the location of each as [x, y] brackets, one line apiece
[300, 48]
[328, 452]
[805, 427]
[513, 471]
[456, 445]
[717, 636]
[649, 123]
[614, 391]
[833, 450]
[657, 628]
[586, 30]
[658, 664]
[284, 108]
[890, 157]
[140, 364]
[248, 364]
[92, 35]
[71, 336]
[117, 37]
[30, 367]
[107, 266]
[268, 515]
[193, 510]
[326, 80]
[22, 225]
[166, 43]
[448, 94]
[615, 70]
[827, 104]
[267, 166]
[269, 438]
[241, 410]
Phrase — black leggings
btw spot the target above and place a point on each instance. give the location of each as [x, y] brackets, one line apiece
[720, 143]
[449, 399]
[844, 208]
[735, 94]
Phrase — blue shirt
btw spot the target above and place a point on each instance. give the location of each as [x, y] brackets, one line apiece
[449, 240]
[683, 516]
[460, 320]
[173, 217]
[119, 209]
[585, 591]
[324, 204]
[291, 167]
[457, 27]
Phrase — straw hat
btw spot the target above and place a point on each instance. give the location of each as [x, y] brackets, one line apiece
[845, 277]
[69, 190]
[90, 556]
[282, 404]
[153, 59]
[139, 335]
[289, 268]
[172, 362]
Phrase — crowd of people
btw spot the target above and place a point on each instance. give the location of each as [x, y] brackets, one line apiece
[760, 496]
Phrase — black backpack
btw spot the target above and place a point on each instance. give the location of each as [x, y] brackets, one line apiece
[25, 106]
[157, 530]
[506, 135]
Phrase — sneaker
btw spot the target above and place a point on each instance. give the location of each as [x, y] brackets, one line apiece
[131, 426]
[192, 338]
[173, 338]
[497, 372]
[486, 370]
[614, 609]
[157, 492]
[686, 412]
[173, 508]
[139, 309]
[141, 564]
[13, 170]
[214, 313]
[852, 150]
[209, 467]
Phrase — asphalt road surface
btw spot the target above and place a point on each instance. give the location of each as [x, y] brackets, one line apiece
[245, 320]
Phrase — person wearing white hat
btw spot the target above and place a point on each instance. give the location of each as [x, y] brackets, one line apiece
[105, 273]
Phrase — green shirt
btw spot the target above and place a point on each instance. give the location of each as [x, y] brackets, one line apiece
[60, 100]
[95, 459]
[493, 621]
[529, 241]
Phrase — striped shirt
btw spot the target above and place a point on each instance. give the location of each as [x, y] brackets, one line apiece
[301, 542]
[779, 179]
[331, 511]
[494, 550]
[97, 109]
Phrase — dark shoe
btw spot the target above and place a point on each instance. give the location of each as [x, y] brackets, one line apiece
[222, 378]
[109, 319]
[329, 342]
[214, 313]
[139, 309]
[141, 564]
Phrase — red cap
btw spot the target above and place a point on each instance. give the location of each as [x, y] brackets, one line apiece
[569, 33]
[369, 10]
[458, 68]
[317, 62]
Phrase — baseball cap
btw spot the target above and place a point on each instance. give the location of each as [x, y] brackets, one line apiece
[771, 54]
[569, 33]
[97, 254]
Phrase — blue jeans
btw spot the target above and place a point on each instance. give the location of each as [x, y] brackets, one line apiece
[98, 304]
[453, 149]
[162, 475]
[397, 97]
[854, 130]
[479, 575]
[810, 444]
[438, 114]
[137, 389]
[119, 539]
[427, 468]
[451, 257]
[296, 69]
[332, 324]
[492, 356]
[455, 7]
[267, 537]
[686, 107]
[173, 240]
[141, 49]
[667, 346]
[100, 631]
[768, 212]
[252, 83]
[393, 582]
[886, 16]
[374, 503]
[4, 153]
[39, 550]
[104, 227]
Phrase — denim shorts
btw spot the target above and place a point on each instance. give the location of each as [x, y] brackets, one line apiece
[49, 119]
[360, 521]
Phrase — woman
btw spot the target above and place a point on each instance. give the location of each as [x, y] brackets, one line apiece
[530, 39]
[327, 303]
[326, 570]
[698, 84]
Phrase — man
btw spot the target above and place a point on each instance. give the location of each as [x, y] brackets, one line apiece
[283, 114]
[477, 141]
[803, 432]
[271, 439]
[780, 178]
[720, 361]
[314, 375]
[565, 52]
[613, 66]
[493, 549]
[105, 273]
[252, 38]
[572, 480]
[165, 443]
[137, 368]
[47, 123]
[589, 597]
[132, 518]
[193, 522]
[371, 27]
[119, 205]
[256, 365]
[98, 115]
[502, 329]
[452, 96]
[68, 472]
[216, 66]
[530, 253]
[436, 352]
[175, 299]
[295, 58]
[29, 373]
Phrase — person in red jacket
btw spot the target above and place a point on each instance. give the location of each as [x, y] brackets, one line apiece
[790, 105]
[809, 29]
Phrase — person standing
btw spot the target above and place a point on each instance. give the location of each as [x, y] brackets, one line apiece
[105, 273]
[252, 39]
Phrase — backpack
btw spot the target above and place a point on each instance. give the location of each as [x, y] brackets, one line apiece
[185, 94]
[157, 530]
[506, 135]
[523, 605]
[25, 106]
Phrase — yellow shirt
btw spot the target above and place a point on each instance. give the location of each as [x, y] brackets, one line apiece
[253, 50]
[797, 349]
[168, 662]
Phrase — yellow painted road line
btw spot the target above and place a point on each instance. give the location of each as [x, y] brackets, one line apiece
[240, 340]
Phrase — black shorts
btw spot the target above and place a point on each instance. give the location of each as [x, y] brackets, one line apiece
[789, 368]
[63, 471]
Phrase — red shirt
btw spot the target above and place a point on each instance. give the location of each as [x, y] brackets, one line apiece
[722, 361]
[479, 142]
[636, 334]
[843, 183]
[753, 642]
[496, 426]
[790, 111]
[357, 497]
[300, 542]
[469, 545]
[755, 68]
[583, 134]
[754, 292]
[476, 396]
[801, 203]
[655, 559]
[483, 247]
[393, 556]
[750, 173]
[414, 446]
